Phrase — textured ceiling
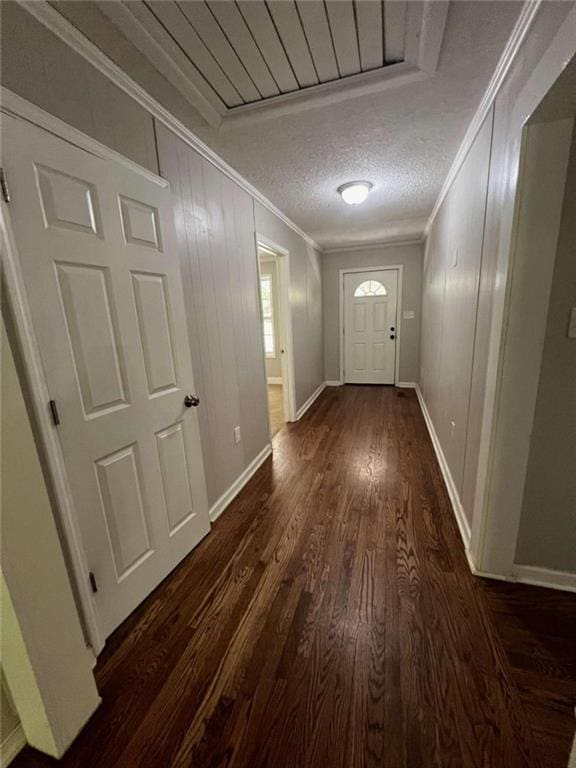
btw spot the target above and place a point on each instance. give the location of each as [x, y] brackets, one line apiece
[402, 139]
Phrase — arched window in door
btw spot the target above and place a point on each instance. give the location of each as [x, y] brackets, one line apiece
[370, 288]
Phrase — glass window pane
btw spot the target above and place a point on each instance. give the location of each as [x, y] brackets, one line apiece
[268, 315]
[370, 288]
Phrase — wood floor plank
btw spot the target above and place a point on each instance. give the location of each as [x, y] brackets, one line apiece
[330, 619]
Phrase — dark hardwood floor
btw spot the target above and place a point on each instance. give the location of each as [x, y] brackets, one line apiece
[330, 620]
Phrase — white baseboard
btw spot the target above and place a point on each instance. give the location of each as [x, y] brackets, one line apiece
[275, 380]
[463, 524]
[544, 577]
[219, 506]
[335, 383]
[302, 410]
[406, 384]
[11, 745]
[526, 574]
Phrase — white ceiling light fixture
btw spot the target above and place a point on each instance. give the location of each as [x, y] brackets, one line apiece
[355, 192]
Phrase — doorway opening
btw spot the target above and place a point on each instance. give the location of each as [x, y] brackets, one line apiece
[273, 267]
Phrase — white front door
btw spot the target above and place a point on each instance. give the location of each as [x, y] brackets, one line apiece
[97, 252]
[370, 326]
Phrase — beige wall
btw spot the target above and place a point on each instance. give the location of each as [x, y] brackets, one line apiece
[458, 303]
[410, 256]
[9, 720]
[450, 299]
[38, 66]
[44, 655]
[273, 364]
[547, 535]
[215, 230]
[305, 302]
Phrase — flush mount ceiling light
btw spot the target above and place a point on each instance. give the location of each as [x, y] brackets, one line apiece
[355, 192]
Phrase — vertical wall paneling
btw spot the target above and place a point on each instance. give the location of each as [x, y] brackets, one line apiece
[215, 230]
[451, 282]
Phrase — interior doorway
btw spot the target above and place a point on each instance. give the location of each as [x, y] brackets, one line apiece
[276, 326]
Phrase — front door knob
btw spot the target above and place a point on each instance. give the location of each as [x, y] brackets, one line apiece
[191, 401]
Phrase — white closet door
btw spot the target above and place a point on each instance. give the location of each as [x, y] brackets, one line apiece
[96, 245]
[370, 326]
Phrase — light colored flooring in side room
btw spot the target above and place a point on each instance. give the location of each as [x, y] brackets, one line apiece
[330, 620]
[276, 407]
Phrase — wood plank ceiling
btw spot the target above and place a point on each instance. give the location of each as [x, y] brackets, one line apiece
[247, 51]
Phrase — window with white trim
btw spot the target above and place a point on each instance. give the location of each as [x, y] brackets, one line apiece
[267, 296]
[370, 288]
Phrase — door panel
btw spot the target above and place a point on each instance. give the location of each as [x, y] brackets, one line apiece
[175, 477]
[370, 304]
[85, 297]
[96, 246]
[154, 325]
[119, 480]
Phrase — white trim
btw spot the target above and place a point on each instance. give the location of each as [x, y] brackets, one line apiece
[374, 245]
[424, 33]
[282, 258]
[28, 346]
[406, 384]
[67, 32]
[165, 55]
[12, 744]
[523, 24]
[220, 505]
[463, 524]
[17, 107]
[342, 272]
[545, 577]
[334, 383]
[302, 410]
[385, 78]
[274, 380]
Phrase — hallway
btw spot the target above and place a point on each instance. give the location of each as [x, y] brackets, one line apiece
[331, 619]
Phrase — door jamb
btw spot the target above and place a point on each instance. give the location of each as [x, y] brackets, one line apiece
[29, 350]
[285, 314]
[342, 272]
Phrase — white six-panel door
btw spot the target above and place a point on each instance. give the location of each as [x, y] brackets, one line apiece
[96, 246]
[370, 326]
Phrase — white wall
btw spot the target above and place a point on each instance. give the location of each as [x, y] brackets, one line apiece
[410, 256]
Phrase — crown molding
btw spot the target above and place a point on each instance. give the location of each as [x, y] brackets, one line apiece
[375, 246]
[523, 24]
[425, 25]
[67, 32]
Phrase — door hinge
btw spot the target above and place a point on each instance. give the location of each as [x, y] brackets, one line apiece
[4, 186]
[93, 584]
[54, 412]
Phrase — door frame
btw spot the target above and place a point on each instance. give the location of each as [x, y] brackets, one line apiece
[285, 317]
[351, 270]
[28, 348]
